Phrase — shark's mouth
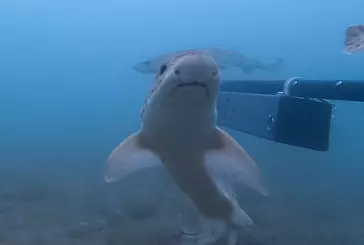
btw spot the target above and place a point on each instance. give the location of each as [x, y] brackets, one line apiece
[192, 84]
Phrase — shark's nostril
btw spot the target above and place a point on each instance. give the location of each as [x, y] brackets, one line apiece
[214, 73]
[177, 72]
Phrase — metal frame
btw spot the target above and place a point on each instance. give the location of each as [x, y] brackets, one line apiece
[294, 112]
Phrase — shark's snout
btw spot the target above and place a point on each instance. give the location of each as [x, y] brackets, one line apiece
[196, 70]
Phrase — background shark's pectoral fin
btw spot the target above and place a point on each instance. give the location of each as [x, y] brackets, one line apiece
[129, 157]
[231, 163]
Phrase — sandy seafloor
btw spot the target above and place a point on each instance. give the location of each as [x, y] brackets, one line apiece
[87, 211]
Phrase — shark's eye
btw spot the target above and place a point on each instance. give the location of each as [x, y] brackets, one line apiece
[162, 69]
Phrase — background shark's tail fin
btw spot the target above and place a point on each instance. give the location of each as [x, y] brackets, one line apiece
[275, 65]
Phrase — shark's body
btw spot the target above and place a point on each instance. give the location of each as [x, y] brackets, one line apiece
[224, 59]
[179, 132]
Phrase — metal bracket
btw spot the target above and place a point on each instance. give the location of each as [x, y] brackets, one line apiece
[284, 119]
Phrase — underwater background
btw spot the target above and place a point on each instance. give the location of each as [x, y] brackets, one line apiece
[69, 95]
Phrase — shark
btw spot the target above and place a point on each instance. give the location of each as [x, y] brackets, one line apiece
[225, 59]
[179, 133]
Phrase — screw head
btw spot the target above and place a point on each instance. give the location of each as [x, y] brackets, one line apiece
[270, 123]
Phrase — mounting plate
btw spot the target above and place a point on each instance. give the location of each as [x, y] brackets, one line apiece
[289, 120]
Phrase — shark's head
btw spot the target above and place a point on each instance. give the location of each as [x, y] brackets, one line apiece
[186, 84]
[191, 76]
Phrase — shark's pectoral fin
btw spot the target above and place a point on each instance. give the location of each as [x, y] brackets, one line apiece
[129, 157]
[230, 163]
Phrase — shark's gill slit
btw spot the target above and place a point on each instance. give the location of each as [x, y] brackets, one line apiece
[162, 69]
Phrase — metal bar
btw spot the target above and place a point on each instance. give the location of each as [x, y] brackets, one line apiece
[347, 90]
[253, 86]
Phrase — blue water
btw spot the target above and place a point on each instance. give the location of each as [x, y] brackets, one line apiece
[68, 96]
